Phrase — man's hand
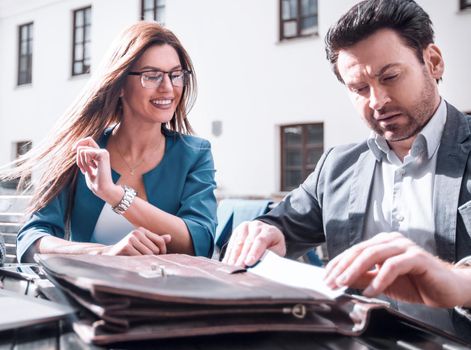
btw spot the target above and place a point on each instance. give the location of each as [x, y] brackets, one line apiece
[391, 264]
[139, 242]
[250, 240]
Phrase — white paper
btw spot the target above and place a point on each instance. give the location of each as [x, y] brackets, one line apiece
[294, 274]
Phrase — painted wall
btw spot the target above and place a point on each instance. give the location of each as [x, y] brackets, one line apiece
[247, 79]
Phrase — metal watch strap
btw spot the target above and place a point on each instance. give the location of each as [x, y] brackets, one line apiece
[126, 201]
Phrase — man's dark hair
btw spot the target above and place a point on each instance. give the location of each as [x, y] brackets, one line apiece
[405, 17]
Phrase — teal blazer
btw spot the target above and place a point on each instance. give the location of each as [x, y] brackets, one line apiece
[182, 184]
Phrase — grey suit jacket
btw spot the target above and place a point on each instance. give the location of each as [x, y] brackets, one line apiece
[331, 204]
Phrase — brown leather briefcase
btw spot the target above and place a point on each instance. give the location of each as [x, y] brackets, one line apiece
[175, 295]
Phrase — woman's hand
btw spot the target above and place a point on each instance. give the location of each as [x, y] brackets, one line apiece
[94, 163]
[139, 242]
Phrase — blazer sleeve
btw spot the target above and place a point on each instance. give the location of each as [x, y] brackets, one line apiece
[198, 202]
[299, 215]
[49, 221]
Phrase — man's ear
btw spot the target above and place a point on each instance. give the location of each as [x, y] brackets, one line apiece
[434, 61]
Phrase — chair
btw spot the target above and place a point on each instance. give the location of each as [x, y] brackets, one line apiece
[3, 251]
[312, 257]
[231, 213]
[12, 209]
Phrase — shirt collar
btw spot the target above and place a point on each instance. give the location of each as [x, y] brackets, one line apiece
[434, 129]
[427, 140]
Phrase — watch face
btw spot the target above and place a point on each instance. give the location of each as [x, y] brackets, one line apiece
[126, 201]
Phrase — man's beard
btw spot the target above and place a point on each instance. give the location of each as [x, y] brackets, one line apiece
[417, 117]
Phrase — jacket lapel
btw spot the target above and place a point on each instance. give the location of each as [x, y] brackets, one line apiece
[359, 194]
[452, 157]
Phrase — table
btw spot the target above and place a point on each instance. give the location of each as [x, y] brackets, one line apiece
[390, 335]
[58, 335]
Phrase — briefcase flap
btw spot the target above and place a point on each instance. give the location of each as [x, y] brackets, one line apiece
[173, 278]
[178, 295]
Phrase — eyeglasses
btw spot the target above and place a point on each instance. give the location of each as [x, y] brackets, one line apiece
[151, 79]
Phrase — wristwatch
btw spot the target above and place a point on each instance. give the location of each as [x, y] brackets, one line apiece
[128, 197]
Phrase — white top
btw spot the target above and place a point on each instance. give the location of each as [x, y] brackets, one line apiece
[402, 195]
[110, 227]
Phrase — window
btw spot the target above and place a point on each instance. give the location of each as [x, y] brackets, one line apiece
[465, 4]
[301, 148]
[25, 54]
[153, 10]
[81, 42]
[298, 18]
[21, 148]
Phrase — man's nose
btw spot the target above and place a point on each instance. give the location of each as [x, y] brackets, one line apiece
[378, 98]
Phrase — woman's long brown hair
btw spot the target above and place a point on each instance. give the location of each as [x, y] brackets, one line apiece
[97, 108]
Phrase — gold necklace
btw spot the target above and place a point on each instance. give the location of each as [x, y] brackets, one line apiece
[133, 168]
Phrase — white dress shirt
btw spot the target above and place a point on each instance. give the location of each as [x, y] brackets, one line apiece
[110, 227]
[401, 197]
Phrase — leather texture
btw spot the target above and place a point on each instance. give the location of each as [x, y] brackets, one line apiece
[176, 295]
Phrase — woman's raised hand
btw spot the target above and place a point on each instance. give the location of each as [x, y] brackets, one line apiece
[94, 163]
[139, 242]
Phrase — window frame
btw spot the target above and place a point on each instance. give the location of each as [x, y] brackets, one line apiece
[21, 148]
[464, 4]
[298, 19]
[305, 170]
[82, 43]
[155, 9]
[29, 54]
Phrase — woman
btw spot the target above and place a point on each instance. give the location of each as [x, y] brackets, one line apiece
[144, 185]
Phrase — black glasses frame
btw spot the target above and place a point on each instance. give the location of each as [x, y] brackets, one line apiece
[186, 74]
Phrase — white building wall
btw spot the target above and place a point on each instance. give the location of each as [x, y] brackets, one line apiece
[453, 36]
[247, 79]
[254, 83]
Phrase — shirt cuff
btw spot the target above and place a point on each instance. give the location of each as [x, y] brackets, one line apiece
[465, 312]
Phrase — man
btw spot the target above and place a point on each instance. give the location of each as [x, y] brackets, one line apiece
[410, 177]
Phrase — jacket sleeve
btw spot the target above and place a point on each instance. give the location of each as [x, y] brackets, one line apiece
[49, 221]
[299, 215]
[198, 202]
